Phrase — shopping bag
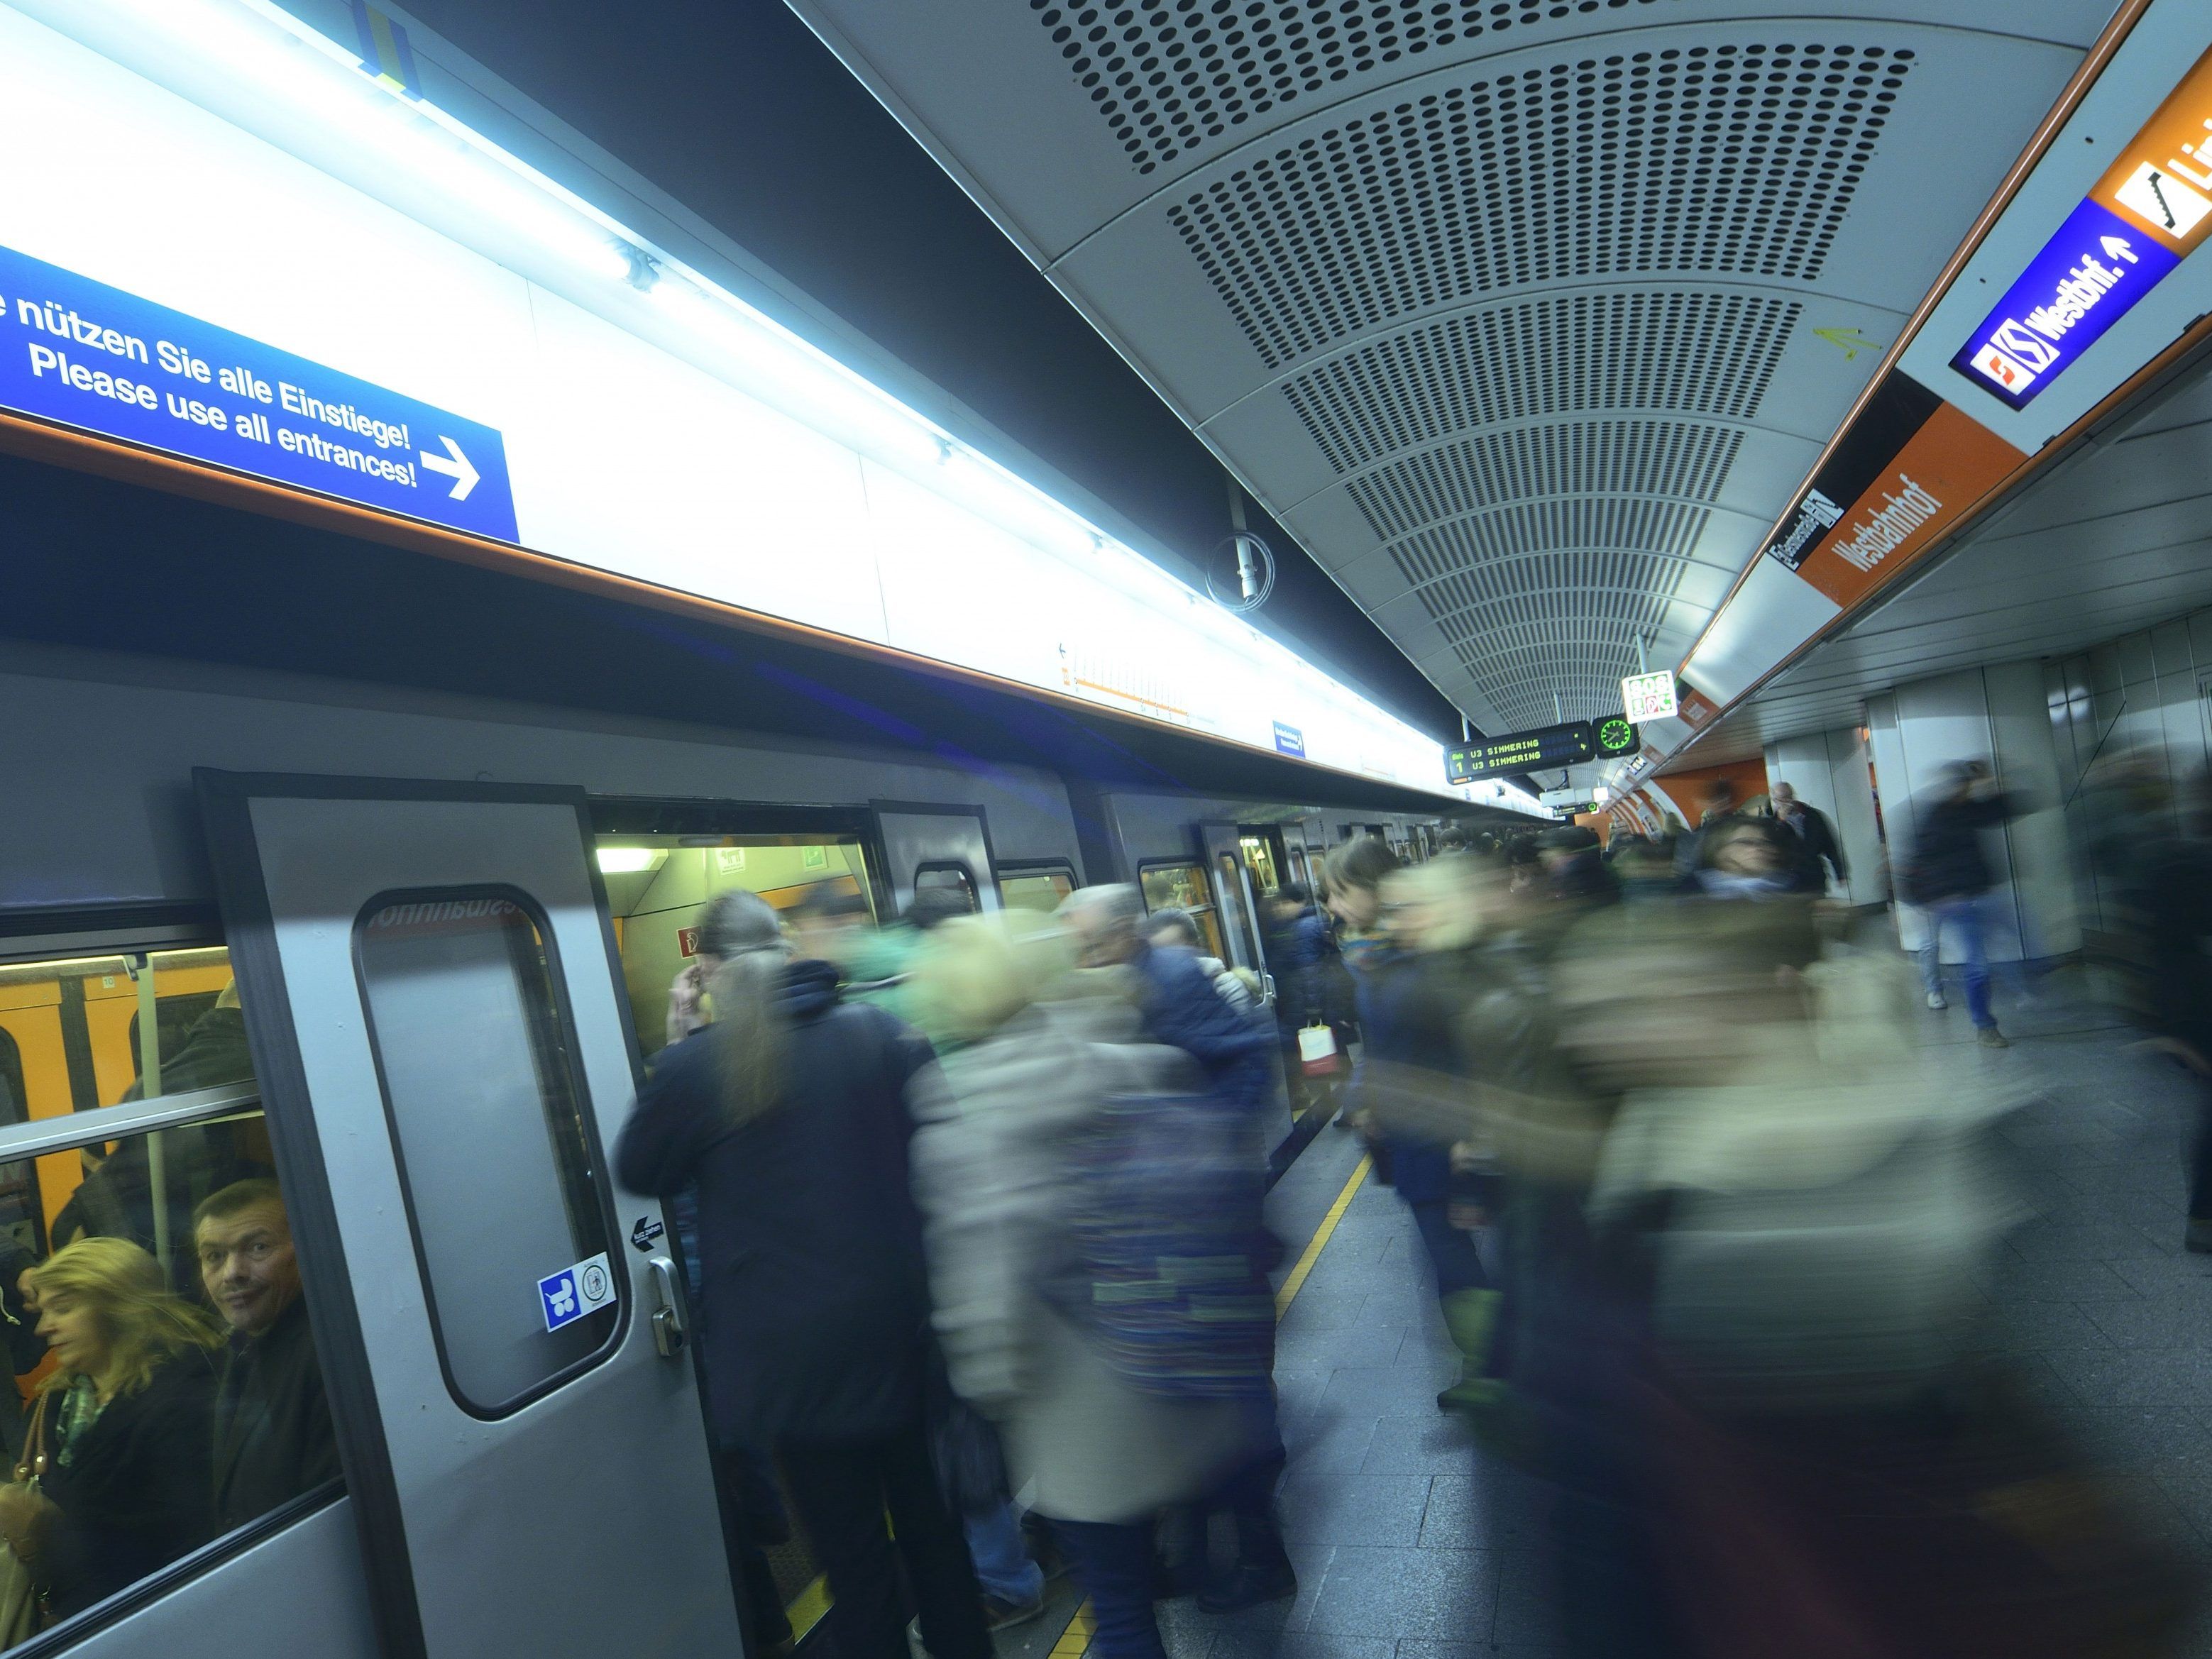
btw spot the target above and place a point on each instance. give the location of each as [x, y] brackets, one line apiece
[1317, 1052]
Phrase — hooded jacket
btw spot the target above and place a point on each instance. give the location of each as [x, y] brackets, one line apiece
[814, 1303]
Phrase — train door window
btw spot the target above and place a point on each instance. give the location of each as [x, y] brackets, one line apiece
[1298, 863]
[658, 883]
[1184, 887]
[1237, 918]
[1259, 850]
[1038, 887]
[949, 885]
[474, 1055]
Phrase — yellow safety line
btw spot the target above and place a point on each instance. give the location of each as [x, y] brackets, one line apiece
[806, 1611]
[1075, 1641]
[1296, 1282]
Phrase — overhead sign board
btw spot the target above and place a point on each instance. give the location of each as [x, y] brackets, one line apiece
[77, 351]
[1649, 696]
[1522, 751]
[2149, 211]
[1552, 745]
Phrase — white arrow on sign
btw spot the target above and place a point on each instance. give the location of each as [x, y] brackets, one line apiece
[463, 475]
[2116, 247]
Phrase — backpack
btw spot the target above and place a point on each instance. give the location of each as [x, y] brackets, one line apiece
[1168, 1253]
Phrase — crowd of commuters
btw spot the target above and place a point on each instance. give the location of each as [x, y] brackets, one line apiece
[979, 1214]
[973, 1208]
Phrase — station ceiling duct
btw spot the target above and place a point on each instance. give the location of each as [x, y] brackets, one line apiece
[1527, 318]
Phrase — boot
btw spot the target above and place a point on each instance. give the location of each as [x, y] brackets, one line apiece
[1471, 1317]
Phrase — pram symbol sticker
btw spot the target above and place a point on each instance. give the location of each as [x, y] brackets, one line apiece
[570, 1294]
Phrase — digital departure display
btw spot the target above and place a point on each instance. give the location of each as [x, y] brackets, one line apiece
[1548, 746]
[2148, 213]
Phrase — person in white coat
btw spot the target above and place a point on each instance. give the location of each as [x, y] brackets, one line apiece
[1033, 1052]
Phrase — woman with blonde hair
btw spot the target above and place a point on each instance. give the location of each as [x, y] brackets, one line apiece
[118, 1477]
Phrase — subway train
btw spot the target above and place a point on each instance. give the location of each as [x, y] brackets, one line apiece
[402, 944]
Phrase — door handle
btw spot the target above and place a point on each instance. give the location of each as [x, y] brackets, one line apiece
[667, 1320]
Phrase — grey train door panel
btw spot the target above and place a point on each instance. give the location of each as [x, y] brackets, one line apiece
[429, 982]
[925, 844]
[1232, 886]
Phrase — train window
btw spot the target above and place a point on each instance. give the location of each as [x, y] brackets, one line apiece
[1298, 857]
[72, 1039]
[948, 881]
[1183, 886]
[1036, 889]
[159, 1351]
[473, 1050]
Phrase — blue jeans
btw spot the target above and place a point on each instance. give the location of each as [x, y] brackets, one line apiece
[1114, 1564]
[1964, 914]
[1003, 1567]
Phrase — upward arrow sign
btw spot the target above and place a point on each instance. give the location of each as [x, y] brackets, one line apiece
[2116, 247]
[457, 468]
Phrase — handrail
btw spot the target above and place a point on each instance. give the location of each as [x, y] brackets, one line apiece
[61, 1134]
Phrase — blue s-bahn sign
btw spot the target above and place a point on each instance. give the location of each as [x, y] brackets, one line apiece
[77, 351]
[2086, 278]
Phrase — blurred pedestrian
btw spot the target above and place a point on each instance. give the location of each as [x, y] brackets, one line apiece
[2170, 899]
[1053, 1094]
[1574, 866]
[1947, 878]
[1173, 928]
[790, 1115]
[1814, 832]
[1419, 988]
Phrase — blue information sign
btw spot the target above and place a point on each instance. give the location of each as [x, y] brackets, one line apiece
[2087, 277]
[1290, 740]
[76, 350]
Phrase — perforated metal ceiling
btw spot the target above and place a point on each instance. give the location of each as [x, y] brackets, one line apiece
[1526, 318]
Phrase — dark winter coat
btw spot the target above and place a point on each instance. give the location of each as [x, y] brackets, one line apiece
[815, 1288]
[1812, 827]
[1410, 1007]
[133, 1494]
[273, 1438]
[1948, 861]
[1181, 1008]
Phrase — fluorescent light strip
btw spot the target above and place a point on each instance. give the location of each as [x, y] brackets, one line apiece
[321, 82]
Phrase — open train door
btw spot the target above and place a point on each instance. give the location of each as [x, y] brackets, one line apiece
[946, 848]
[1233, 894]
[429, 986]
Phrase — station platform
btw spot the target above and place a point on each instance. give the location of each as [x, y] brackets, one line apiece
[1410, 1543]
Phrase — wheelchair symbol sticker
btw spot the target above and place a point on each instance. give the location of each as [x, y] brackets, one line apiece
[568, 1295]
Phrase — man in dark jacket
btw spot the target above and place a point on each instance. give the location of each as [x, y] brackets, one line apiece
[1814, 832]
[789, 1114]
[273, 1438]
[1947, 877]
